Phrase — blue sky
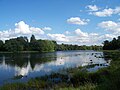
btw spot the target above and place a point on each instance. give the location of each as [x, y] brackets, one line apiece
[83, 22]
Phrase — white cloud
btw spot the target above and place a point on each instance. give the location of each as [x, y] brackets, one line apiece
[107, 24]
[94, 34]
[117, 10]
[47, 28]
[21, 29]
[58, 37]
[107, 37]
[77, 21]
[34, 30]
[67, 32]
[92, 7]
[75, 37]
[106, 12]
[110, 26]
[84, 38]
[87, 38]
[80, 33]
[79, 37]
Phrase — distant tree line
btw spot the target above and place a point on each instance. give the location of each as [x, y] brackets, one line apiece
[76, 47]
[23, 44]
[114, 44]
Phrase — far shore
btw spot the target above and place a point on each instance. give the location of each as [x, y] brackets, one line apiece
[52, 51]
[19, 52]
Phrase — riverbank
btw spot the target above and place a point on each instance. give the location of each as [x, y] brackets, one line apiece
[77, 78]
[3, 52]
[54, 51]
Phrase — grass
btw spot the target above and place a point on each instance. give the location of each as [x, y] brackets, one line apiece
[111, 81]
[87, 86]
[76, 78]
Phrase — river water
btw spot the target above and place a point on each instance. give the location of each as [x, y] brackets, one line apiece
[22, 67]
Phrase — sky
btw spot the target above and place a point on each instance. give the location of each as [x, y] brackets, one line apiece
[82, 22]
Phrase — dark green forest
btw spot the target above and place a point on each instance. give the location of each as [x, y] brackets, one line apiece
[23, 44]
[114, 44]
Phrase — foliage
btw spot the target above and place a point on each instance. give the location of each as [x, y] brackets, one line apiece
[112, 45]
[46, 46]
[1, 45]
[61, 47]
[22, 44]
[13, 45]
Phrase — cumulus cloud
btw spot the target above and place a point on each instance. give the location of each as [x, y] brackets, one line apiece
[107, 37]
[77, 21]
[47, 28]
[74, 37]
[79, 37]
[58, 37]
[84, 38]
[22, 29]
[110, 26]
[106, 12]
[80, 33]
[92, 7]
[87, 38]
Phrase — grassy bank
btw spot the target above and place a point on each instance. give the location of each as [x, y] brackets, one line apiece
[19, 52]
[2, 52]
[76, 78]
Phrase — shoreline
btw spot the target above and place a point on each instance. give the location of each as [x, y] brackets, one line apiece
[55, 51]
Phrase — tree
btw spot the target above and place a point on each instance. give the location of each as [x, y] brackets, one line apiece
[46, 45]
[23, 42]
[32, 39]
[55, 45]
[13, 45]
[1, 45]
[33, 44]
[112, 45]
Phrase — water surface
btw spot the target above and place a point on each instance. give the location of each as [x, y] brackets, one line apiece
[22, 67]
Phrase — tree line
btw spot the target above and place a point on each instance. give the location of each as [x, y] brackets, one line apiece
[77, 47]
[114, 44]
[23, 44]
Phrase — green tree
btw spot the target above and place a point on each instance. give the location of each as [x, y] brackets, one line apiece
[1, 45]
[32, 39]
[23, 42]
[13, 45]
[34, 45]
[46, 45]
[112, 45]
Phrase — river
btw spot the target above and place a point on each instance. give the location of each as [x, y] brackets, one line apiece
[23, 66]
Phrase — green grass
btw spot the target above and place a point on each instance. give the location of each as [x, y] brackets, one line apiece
[87, 86]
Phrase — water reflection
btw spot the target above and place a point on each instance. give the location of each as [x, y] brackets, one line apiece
[26, 66]
[23, 71]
